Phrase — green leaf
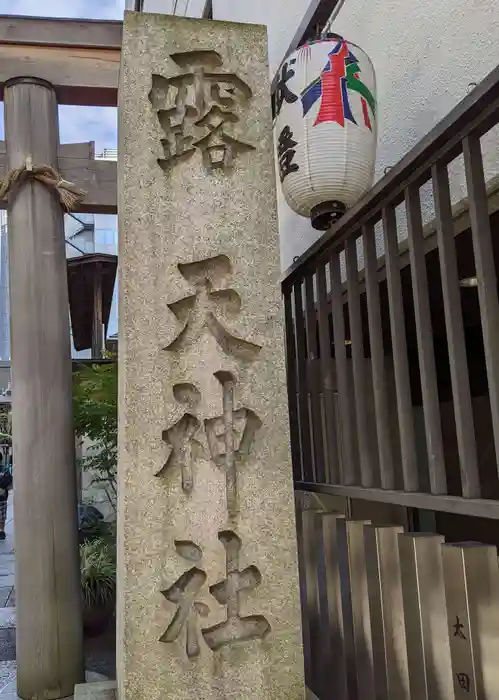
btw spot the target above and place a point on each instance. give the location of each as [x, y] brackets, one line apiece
[95, 416]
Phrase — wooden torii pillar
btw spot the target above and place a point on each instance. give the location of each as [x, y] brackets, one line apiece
[44, 63]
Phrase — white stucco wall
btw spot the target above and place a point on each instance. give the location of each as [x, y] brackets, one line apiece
[282, 18]
[425, 55]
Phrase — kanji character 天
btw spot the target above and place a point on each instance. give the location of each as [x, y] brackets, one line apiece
[458, 629]
[199, 312]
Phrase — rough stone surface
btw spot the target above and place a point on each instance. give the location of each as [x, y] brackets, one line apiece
[105, 690]
[169, 219]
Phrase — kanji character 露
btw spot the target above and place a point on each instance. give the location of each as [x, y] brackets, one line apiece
[195, 108]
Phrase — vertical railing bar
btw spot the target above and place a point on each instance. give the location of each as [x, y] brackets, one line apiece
[333, 612]
[378, 361]
[463, 409]
[312, 543]
[425, 615]
[303, 580]
[303, 403]
[400, 357]
[347, 464]
[315, 379]
[291, 370]
[358, 362]
[424, 334]
[485, 272]
[327, 378]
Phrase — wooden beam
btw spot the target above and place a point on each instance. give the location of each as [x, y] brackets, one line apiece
[96, 177]
[77, 164]
[79, 57]
[71, 33]
[80, 76]
[475, 507]
[81, 82]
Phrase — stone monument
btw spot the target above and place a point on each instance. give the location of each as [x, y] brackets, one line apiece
[208, 600]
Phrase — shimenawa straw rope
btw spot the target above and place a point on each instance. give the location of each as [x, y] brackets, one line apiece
[69, 194]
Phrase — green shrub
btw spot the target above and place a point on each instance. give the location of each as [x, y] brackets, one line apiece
[98, 573]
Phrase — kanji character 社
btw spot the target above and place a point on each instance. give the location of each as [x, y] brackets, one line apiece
[183, 594]
[235, 628]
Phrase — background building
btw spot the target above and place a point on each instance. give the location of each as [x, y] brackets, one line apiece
[85, 233]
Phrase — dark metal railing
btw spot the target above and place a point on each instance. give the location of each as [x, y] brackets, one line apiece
[361, 344]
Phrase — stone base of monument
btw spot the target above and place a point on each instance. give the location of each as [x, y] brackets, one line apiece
[310, 695]
[105, 690]
[108, 691]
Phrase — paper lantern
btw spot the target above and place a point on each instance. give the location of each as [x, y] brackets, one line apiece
[325, 128]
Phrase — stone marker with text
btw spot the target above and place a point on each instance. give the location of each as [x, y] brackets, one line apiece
[208, 601]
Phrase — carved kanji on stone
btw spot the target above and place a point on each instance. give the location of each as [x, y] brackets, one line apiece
[235, 628]
[183, 594]
[181, 436]
[196, 109]
[230, 436]
[199, 312]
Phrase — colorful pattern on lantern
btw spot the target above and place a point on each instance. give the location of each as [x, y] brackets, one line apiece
[340, 74]
[325, 124]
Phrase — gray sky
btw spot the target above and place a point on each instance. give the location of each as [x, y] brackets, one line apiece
[76, 123]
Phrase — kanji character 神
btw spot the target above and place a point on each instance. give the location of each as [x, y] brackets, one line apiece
[199, 101]
[181, 436]
[464, 681]
[230, 436]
